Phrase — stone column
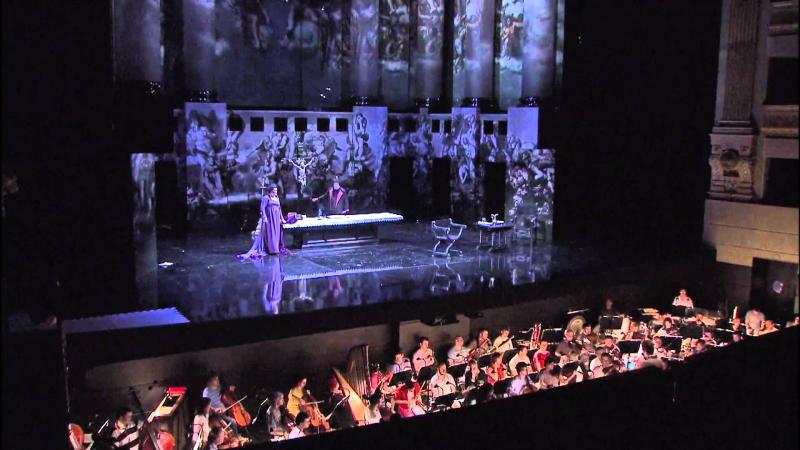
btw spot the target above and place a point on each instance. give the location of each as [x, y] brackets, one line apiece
[364, 58]
[198, 45]
[539, 50]
[732, 139]
[473, 49]
[426, 55]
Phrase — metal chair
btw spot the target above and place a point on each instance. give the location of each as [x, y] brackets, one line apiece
[446, 232]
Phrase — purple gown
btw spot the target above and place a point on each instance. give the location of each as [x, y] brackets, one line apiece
[269, 240]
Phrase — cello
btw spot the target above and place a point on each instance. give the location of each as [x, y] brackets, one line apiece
[75, 436]
[153, 439]
[236, 408]
[310, 406]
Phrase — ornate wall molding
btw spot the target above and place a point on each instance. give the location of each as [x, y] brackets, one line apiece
[732, 164]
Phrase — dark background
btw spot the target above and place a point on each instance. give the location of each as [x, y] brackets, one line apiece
[631, 135]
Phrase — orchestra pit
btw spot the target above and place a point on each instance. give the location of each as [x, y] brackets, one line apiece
[399, 224]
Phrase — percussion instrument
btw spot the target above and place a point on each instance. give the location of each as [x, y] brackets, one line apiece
[576, 324]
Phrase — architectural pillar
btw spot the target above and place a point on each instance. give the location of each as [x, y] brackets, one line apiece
[137, 40]
[198, 45]
[364, 57]
[426, 56]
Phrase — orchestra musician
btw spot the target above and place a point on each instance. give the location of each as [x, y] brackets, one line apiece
[475, 377]
[483, 344]
[699, 346]
[340, 414]
[408, 400]
[278, 422]
[658, 348]
[302, 424]
[496, 371]
[200, 426]
[442, 383]
[607, 366]
[568, 375]
[401, 363]
[769, 327]
[215, 438]
[503, 342]
[458, 353]
[521, 383]
[754, 321]
[550, 377]
[608, 310]
[568, 347]
[683, 300]
[668, 329]
[588, 338]
[708, 337]
[213, 392]
[610, 347]
[635, 331]
[125, 434]
[380, 381]
[295, 401]
[423, 357]
[520, 356]
[540, 356]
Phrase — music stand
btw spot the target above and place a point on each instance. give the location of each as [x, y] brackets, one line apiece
[426, 373]
[723, 335]
[692, 330]
[457, 371]
[508, 354]
[401, 377]
[485, 360]
[445, 401]
[629, 346]
[679, 311]
[501, 387]
[611, 322]
[672, 342]
[553, 335]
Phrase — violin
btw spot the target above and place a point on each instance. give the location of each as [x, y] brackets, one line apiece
[75, 436]
[309, 406]
[236, 408]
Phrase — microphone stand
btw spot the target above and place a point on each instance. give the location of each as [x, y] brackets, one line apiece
[259, 411]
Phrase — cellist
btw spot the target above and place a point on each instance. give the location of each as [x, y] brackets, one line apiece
[200, 425]
[213, 392]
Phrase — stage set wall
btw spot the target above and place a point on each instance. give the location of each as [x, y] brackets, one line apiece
[319, 54]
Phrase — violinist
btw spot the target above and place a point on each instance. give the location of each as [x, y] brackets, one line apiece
[668, 329]
[125, 434]
[606, 367]
[610, 347]
[588, 338]
[302, 423]
[200, 426]
[401, 363]
[277, 417]
[423, 357]
[213, 392]
[496, 371]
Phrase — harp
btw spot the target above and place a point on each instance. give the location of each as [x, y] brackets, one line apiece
[355, 385]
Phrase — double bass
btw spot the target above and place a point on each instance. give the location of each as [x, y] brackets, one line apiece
[153, 438]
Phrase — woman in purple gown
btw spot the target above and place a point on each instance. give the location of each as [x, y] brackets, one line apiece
[269, 240]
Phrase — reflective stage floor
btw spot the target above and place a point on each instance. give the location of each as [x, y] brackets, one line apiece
[205, 282]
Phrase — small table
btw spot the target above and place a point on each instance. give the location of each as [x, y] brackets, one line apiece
[498, 234]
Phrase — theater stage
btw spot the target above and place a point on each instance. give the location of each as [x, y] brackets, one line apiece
[202, 279]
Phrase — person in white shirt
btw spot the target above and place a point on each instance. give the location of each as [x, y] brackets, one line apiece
[521, 356]
[442, 383]
[503, 342]
[457, 353]
[423, 357]
[769, 327]
[302, 422]
[520, 385]
[200, 428]
[683, 300]
[754, 321]
[401, 363]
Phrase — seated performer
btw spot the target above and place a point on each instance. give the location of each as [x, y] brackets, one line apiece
[503, 342]
[301, 424]
[588, 338]
[708, 337]
[213, 392]
[423, 357]
[610, 347]
[520, 357]
[496, 371]
[769, 327]
[278, 422]
[125, 433]
[668, 329]
[521, 383]
[540, 356]
[380, 381]
[457, 353]
[606, 367]
[635, 331]
[568, 375]
[475, 377]
[337, 199]
[754, 321]
[659, 349]
[483, 344]
[442, 383]
[408, 400]
[608, 310]
[568, 347]
[296, 400]
[340, 414]
[550, 377]
[683, 300]
[200, 427]
[215, 438]
[401, 363]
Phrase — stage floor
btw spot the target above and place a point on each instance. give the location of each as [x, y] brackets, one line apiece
[206, 283]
